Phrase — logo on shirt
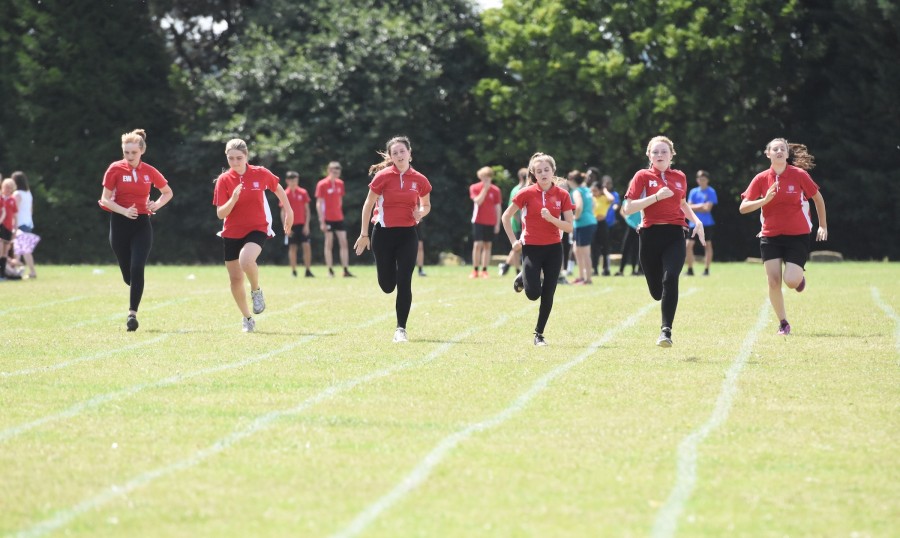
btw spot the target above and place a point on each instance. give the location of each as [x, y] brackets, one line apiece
[146, 179]
[256, 184]
[677, 185]
[127, 179]
[558, 204]
[790, 188]
[414, 186]
[654, 183]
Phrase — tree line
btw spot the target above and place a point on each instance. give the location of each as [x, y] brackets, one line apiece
[313, 81]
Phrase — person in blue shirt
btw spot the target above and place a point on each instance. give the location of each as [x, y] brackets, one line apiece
[702, 198]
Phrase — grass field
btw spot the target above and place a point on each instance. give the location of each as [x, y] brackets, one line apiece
[317, 425]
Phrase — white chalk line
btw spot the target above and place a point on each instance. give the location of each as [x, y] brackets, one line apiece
[422, 471]
[686, 467]
[43, 305]
[63, 517]
[876, 296]
[101, 399]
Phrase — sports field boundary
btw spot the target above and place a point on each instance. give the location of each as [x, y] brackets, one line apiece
[423, 470]
[666, 523]
[262, 422]
[889, 311]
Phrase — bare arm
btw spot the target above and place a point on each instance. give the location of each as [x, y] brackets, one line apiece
[364, 242]
[749, 206]
[107, 202]
[506, 219]
[165, 196]
[225, 209]
[699, 232]
[579, 204]
[822, 233]
[288, 219]
[564, 223]
[424, 208]
[306, 212]
[633, 206]
[485, 189]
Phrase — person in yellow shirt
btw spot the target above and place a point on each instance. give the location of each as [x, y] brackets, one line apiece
[603, 200]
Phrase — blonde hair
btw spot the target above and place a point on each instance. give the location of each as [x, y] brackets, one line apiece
[485, 171]
[537, 157]
[798, 154]
[656, 140]
[137, 136]
[386, 154]
[238, 144]
[8, 182]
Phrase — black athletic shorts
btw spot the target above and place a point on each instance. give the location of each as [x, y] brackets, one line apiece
[5, 233]
[297, 236]
[232, 247]
[790, 248]
[482, 232]
[334, 225]
[709, 233]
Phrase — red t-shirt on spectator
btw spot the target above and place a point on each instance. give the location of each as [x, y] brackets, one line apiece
[131, 186]
[251, 213]
[648, 182]
[298, 197]
[332, 192]
[531, 199]
[486, 213]
[11, 209]
[788, 212]
[398, 195]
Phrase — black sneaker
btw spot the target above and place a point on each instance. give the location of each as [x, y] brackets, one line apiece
[132, 323]
[539, 340]
[331, 272]
[309, 274]
[706, 272]
[422, 272]
[518, 284]
[294, 273]
[348, 274]
[665, 337]
[690, 271]
[504, 268]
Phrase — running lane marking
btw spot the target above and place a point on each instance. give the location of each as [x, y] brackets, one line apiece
[876, 296]
[42, 305]
[64, 517]
[422, 471]
[686, 469]
[101, 399]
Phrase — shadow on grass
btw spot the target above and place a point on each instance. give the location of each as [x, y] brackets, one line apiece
[263, 332]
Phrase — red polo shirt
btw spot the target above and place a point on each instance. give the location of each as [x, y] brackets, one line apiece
[398, 195]
[648, 182]
[298, 197]
[788, 212]
[251, 212]
[486, 213]
[332, 192]
[531, 199]
[131, 186]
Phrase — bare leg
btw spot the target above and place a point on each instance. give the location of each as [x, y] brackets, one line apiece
[709, 253]
[476, 253]
[793, 275]
[420, 255]
[248, 265]
[689, 256]
[583, 259]
[292, 256]
[486, 254]
[329, 247]
[345, 250]
[236, 276]
[29, 260]
[773, 274]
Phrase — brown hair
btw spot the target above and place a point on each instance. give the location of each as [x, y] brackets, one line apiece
[798, 154]
[386, 154]
[539, 157]
[292, 175]
[21, 180]
[238, 144]
[576, 176]
[137, 136]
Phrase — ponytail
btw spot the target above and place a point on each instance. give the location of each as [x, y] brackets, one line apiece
[137, 136]
[386, 154]
[801, 157]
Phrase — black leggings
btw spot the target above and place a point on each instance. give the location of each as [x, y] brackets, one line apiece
[662, 253]
[629, 249]
[131, 241]
[600, 247]
[535, 259]
[395, 252]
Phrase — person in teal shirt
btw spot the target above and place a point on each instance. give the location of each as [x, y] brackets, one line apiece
[585, 225]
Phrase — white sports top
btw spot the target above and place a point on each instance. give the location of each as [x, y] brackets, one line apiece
[24, 201]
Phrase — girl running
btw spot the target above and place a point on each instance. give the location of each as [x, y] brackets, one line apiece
[546, 211]
[240, 202]
[783, 192]
[126, 194]
[661, 193]
[403, 197]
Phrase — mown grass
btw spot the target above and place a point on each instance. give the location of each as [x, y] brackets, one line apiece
[179, 416]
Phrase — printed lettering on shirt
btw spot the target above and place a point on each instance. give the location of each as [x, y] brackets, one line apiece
[653, 183]
[126, 179]
[678, 184]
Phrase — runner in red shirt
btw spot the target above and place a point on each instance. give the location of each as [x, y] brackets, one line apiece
[126, 194]
[783, 192]
[329, 201]
[8, 210]
[240, 202]
[485, 219]
[546, 211]
[299, 199]
[403, 198]
[660, 192]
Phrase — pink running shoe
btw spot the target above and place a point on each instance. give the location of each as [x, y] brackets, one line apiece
[784, 329]
[802, 285]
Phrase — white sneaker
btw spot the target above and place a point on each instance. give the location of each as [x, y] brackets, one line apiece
[248, 325]
[400, 335]
[259, 302]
